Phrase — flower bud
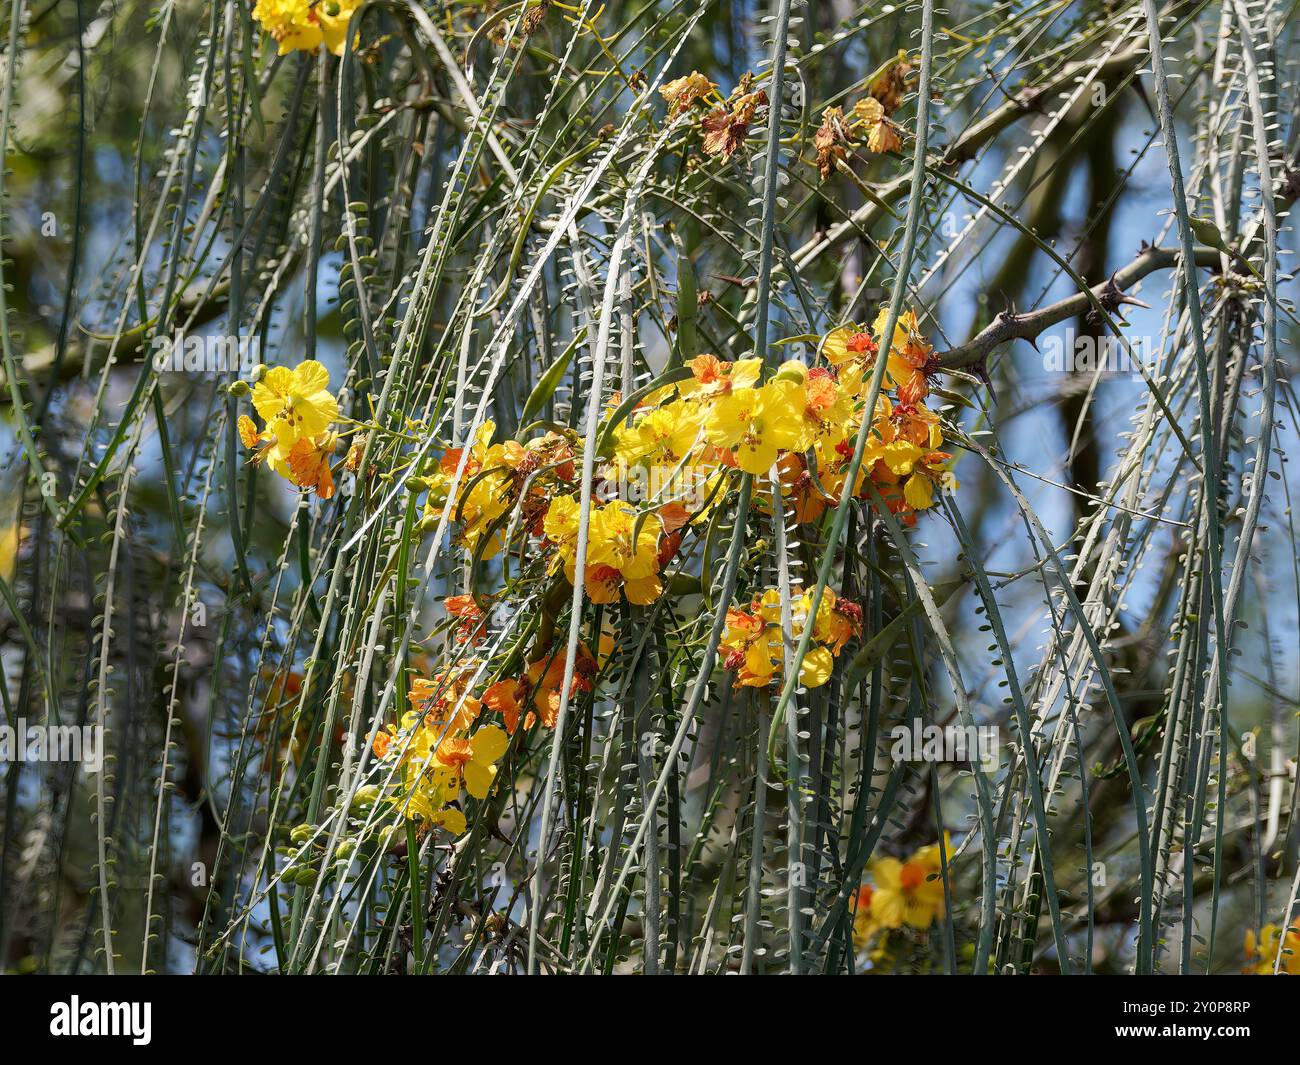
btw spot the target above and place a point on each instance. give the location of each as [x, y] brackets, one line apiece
[792, 370]
[364, 799]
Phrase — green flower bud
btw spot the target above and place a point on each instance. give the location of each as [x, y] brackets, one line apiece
[364, 799]
[793, 370]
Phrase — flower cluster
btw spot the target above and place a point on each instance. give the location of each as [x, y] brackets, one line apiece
[535, 696]
[754, 648]
[623, 549]
[686, 443]
[441, 745]
[298, 410]
[901, 893]
[434, 753]
[304, 25]
[868, 121]
[902, 458]
[496, 478]
[726, 125]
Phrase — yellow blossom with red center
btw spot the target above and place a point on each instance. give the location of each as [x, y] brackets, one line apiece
[298, 409]
[909, 892]
[753, 647]
[759, 423]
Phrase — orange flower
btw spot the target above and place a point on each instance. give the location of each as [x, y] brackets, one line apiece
[445, 699]
[674, 516]
[797, 482]
[545, 678]
[454, 752]
[471, 617]
[309, 465]
[507, 698]
[668, 548]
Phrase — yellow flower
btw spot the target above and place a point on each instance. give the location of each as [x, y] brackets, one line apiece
[489, 485]
[334, 16]
[426, 786]
[627, 543]
[450, 818]
[815, 670]
[490, 495]
[759, 423]
[475, 759]
[900, 456]
[909, 353]
[663, 437]
[1262, 949]
[918, 492]
[852, 351]
[443, 702]
[622, 549]
[752, 643]
[304, 25]
[561, 525]
[710, 376]
[616, 541]
[909, 892]
[295, 403]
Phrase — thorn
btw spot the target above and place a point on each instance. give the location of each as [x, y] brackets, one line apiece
[981, 370]
[1112, 298]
